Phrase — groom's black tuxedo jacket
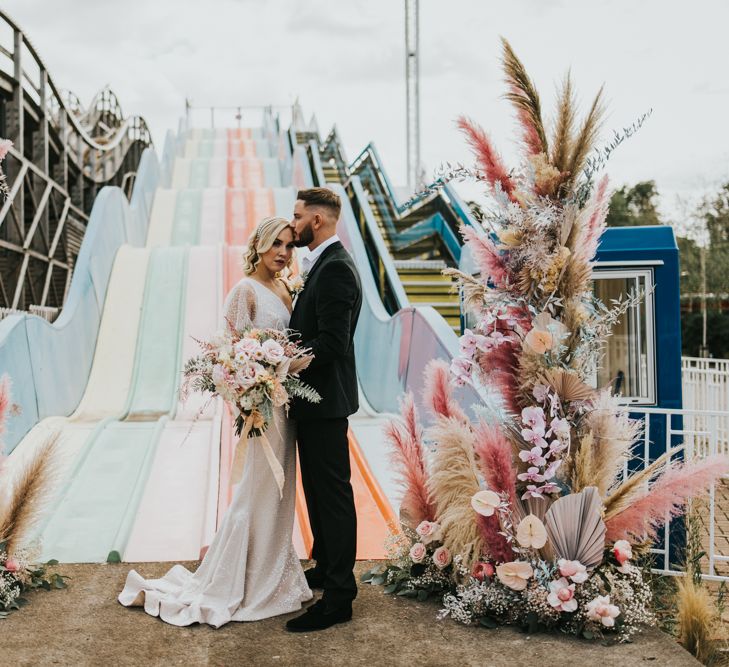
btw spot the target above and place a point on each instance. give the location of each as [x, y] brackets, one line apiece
[325, 316]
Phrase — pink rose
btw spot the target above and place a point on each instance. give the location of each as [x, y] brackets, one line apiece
[418, 552]
[481, 570]
[273, 351]
[11, 565]
[429, 531]
[623, 553]
[442, 557]
[246, 347]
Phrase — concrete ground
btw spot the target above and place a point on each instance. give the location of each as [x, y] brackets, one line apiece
[85, 625]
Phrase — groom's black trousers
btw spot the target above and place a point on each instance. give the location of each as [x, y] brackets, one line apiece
[325, 473]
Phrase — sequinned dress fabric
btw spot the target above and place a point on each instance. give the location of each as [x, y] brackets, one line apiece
[251, 570]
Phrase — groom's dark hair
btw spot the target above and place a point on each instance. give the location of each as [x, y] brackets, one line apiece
[321, 197]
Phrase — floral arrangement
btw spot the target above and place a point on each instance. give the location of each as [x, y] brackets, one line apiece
[255, 371]
[295, 285]
[532, 511]
[21, 507]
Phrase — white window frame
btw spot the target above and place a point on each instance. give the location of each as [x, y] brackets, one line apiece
[644, 272]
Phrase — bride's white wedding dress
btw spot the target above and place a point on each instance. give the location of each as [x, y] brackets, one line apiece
[251, 570]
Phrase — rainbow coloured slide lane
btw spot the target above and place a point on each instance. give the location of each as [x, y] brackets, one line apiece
[144, 480]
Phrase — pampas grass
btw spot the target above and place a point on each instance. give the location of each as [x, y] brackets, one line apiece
[29, 495]
[586, 137]
[494, 455]
[563, 127]
[453, 481]
[525, 98]
[487, 158]
[648, 509]
[408, 457]
[437, 392]
[698, 620]
[605, 447]
[486, 255]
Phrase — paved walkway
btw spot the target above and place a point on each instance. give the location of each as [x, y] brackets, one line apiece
[84, 625]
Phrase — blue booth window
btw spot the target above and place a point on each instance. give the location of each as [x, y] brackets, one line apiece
[628, 362]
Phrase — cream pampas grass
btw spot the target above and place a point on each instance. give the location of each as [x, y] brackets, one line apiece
[698, 620]
[29, 495]
[453, 481]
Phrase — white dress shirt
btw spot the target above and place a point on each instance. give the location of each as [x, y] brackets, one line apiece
[310, 259]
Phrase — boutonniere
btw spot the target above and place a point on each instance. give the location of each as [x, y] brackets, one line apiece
[296, 285]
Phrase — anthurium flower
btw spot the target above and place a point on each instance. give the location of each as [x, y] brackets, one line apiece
[531, 533]
[485, 502]
[515, 575]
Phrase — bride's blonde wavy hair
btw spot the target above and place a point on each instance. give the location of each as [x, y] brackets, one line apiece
[261, 242]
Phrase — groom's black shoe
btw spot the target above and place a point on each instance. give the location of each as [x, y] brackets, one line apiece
[313, 578]
[320, 617]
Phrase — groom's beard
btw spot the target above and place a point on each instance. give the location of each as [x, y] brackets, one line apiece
[304, 237]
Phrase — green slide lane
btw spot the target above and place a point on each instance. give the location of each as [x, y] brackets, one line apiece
[186, 227]
[199, 173]
[103, 492]
[157, 362]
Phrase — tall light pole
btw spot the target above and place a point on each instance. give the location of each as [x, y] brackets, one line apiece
[412, 87]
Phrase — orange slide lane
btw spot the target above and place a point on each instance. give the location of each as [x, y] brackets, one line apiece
[376, 520]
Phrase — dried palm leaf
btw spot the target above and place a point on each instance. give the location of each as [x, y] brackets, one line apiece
[525, 98]
[576, 529]
[567, 385]
[29, 495]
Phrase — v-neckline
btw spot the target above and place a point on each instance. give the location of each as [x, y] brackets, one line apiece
[268, 289]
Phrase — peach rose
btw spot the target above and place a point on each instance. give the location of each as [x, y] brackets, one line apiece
[442, 557]
[429, 531]
[539, 341]
[418, 552]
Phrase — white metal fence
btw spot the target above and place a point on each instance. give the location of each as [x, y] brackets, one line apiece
[701, 433]
[705, 384]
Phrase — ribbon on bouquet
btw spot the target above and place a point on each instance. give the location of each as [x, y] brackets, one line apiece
[240, 455]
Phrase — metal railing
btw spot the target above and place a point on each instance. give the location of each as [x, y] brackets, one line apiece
[705, 383]
[62, 156]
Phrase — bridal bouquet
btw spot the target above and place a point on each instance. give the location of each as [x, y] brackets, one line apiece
[255, 371]
[527, 516]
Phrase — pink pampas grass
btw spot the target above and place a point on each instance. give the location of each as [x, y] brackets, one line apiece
[408, 457]
[495, 459]
[486, 255]
[599, 206]
[499, 365]
[437, 392]
[487, 159]
[496, 544]
[666, 497]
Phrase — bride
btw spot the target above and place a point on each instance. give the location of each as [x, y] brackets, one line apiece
[251, 570]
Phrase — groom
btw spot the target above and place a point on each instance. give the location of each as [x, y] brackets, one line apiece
[325, 315]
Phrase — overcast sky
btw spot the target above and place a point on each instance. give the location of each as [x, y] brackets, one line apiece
[344, 59]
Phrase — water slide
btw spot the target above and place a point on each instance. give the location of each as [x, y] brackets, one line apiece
[145, 478]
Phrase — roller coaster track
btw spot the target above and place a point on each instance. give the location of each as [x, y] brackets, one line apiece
[62, 155]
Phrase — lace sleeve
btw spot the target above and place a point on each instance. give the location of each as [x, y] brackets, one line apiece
[240, 307]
